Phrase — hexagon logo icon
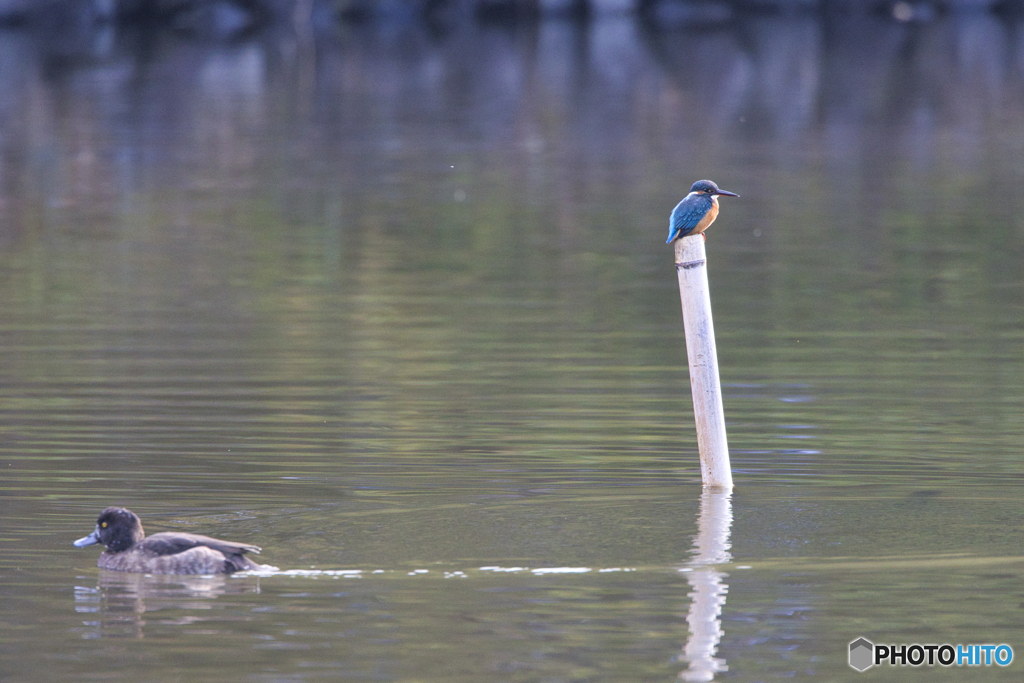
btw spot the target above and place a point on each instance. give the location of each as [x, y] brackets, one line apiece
[862, 654]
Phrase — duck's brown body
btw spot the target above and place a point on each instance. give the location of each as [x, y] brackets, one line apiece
[129, 550]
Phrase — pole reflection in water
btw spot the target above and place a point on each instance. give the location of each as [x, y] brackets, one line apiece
[710, 548]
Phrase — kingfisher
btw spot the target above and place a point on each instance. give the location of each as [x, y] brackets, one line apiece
[697, 211]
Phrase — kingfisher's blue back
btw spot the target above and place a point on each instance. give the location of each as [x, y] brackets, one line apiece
[688, 214]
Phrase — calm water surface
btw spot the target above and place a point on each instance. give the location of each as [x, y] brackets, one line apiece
[395, 305]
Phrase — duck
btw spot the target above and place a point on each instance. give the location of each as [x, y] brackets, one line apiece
[128, 549]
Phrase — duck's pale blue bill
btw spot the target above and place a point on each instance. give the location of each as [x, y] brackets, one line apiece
[92, 538]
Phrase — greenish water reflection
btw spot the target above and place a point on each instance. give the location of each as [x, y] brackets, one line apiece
[400, 314]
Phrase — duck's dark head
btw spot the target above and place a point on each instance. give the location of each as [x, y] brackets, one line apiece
[117, 528]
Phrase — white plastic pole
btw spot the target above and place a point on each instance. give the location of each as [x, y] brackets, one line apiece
[691, 266]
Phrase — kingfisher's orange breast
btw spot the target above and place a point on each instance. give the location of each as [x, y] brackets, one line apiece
[708, 218]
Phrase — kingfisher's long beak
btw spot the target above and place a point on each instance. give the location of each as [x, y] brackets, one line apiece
[727, 193]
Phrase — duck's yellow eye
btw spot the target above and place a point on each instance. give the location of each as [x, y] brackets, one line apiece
[104, 525]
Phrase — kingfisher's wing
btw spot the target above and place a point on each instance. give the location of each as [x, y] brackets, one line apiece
[685, 217]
